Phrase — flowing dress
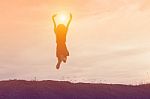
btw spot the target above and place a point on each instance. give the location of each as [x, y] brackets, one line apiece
[61, 49]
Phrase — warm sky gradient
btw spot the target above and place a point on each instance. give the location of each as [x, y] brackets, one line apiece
[109, 40]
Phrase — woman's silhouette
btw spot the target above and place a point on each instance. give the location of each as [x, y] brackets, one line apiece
[61, 32]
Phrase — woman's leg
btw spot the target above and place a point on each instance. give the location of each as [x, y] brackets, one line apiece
[65, 59]
[58, 63]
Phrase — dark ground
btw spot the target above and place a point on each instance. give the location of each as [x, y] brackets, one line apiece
[20, 89]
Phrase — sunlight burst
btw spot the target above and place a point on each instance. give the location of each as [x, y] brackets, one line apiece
[62, 18]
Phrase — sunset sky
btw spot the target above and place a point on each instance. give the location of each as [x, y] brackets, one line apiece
[108, 40]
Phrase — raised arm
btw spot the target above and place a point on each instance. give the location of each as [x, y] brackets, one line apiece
[69, 21]
[53, 18]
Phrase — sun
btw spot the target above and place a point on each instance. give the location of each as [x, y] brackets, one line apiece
[62, 18]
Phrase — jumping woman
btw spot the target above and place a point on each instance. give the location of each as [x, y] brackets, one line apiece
[61, 32]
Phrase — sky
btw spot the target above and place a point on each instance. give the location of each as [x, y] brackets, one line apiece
[108, 40]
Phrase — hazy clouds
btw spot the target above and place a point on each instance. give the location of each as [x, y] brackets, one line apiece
[108, 40]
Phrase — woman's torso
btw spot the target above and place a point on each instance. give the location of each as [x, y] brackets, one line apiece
[61, 32]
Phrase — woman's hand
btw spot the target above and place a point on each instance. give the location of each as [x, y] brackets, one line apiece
[70, 15]
[69, 20]
[53, 18]
[54, 15]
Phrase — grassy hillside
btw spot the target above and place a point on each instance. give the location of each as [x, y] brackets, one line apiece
[20, 89]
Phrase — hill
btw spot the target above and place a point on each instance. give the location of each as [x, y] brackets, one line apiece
[20, 89]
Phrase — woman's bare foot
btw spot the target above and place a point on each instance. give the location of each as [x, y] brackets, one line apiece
[64, 59]
[57, 66]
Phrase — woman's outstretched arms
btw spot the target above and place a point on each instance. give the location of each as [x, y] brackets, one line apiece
[53, 18]
[69, 20]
